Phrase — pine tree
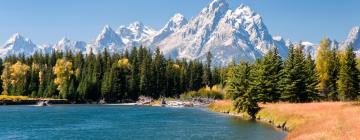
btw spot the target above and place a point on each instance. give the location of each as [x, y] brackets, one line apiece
[334, 67]
[348, 82]
[239, 82]
[159, 70]
[266, 76]
[134, 74]
[311, 79]
[293, 80]
[71, 93]
[207, 77]
[106, 86]
[34, 80]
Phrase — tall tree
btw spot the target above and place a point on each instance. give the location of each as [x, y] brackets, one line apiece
[63, 70]
[266, 76]
[238, 84]
[18, 78]
[311, 78]
[348, 82]
[334, 67]
[6, 79]
[293, 81]
[323, 66]
[207, 77]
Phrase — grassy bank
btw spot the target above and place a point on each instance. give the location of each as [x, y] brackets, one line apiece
[309, 121]
[13, 98]
[25, 100]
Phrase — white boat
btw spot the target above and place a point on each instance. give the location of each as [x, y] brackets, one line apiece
[43, 103]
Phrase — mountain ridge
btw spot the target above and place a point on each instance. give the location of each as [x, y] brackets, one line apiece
[229, 34]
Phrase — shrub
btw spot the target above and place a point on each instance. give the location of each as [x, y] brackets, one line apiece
[215, 93]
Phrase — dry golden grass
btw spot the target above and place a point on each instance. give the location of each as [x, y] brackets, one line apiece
[317, 121]
[309, 121]
[22, 98]
[13, 98]
[223, 106]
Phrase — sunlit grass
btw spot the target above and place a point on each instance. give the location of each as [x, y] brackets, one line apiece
[22, 98]
[223, 106]
[13, 98]
[308, 121]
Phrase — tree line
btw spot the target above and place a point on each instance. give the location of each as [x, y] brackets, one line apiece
[119, 77]
[332, 76]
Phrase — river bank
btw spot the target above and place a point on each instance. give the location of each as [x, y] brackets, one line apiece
[24, 100]
[308, 121]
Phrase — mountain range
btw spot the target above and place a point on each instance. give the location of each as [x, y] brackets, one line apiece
[230, 35]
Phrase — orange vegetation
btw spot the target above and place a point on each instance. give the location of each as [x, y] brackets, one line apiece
[223, 106]
[309, 121]
[319, 121]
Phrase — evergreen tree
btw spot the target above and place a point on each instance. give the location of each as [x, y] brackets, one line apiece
[348, 82]
[207, 77]
[238, 84]
[159, 70]
[293, 81]
[266, 76]
[311, 78]
[334, 67]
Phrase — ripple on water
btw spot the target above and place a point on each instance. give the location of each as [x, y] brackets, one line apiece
[87, 122]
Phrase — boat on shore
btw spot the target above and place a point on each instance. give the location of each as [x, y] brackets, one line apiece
[43, 103]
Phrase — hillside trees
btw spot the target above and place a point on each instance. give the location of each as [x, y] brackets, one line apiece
[93, 77]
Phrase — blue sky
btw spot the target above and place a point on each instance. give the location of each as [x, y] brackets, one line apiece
[47, 21]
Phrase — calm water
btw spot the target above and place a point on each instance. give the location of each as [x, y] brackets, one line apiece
[87, 122]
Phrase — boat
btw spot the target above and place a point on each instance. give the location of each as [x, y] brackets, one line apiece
[43, 103]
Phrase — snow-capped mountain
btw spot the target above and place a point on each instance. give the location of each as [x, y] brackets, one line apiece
[18, 44]
[66, 45]
[173, 25]
[135, 34]
[106, 39]
[230, 35]
[353, 39]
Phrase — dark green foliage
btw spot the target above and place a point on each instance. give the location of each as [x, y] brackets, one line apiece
[334, 68]
[266, 75]
[311, 80]
[348, 83]
[238, 82]
[293, 82]
[112, 77]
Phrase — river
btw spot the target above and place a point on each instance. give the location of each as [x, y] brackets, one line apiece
[92, 122]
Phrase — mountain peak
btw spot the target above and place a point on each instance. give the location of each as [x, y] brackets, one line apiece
[216, 6]
[17, 37]
[354, 33]
[64, 39]
[245, 11]
[108, 36]
[178, 18]
[137, 25]
[106, 29]
[17, 44]
[353, 39]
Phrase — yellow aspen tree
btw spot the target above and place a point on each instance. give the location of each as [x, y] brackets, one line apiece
[18, 73]
[63, 70]
[5, 77]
